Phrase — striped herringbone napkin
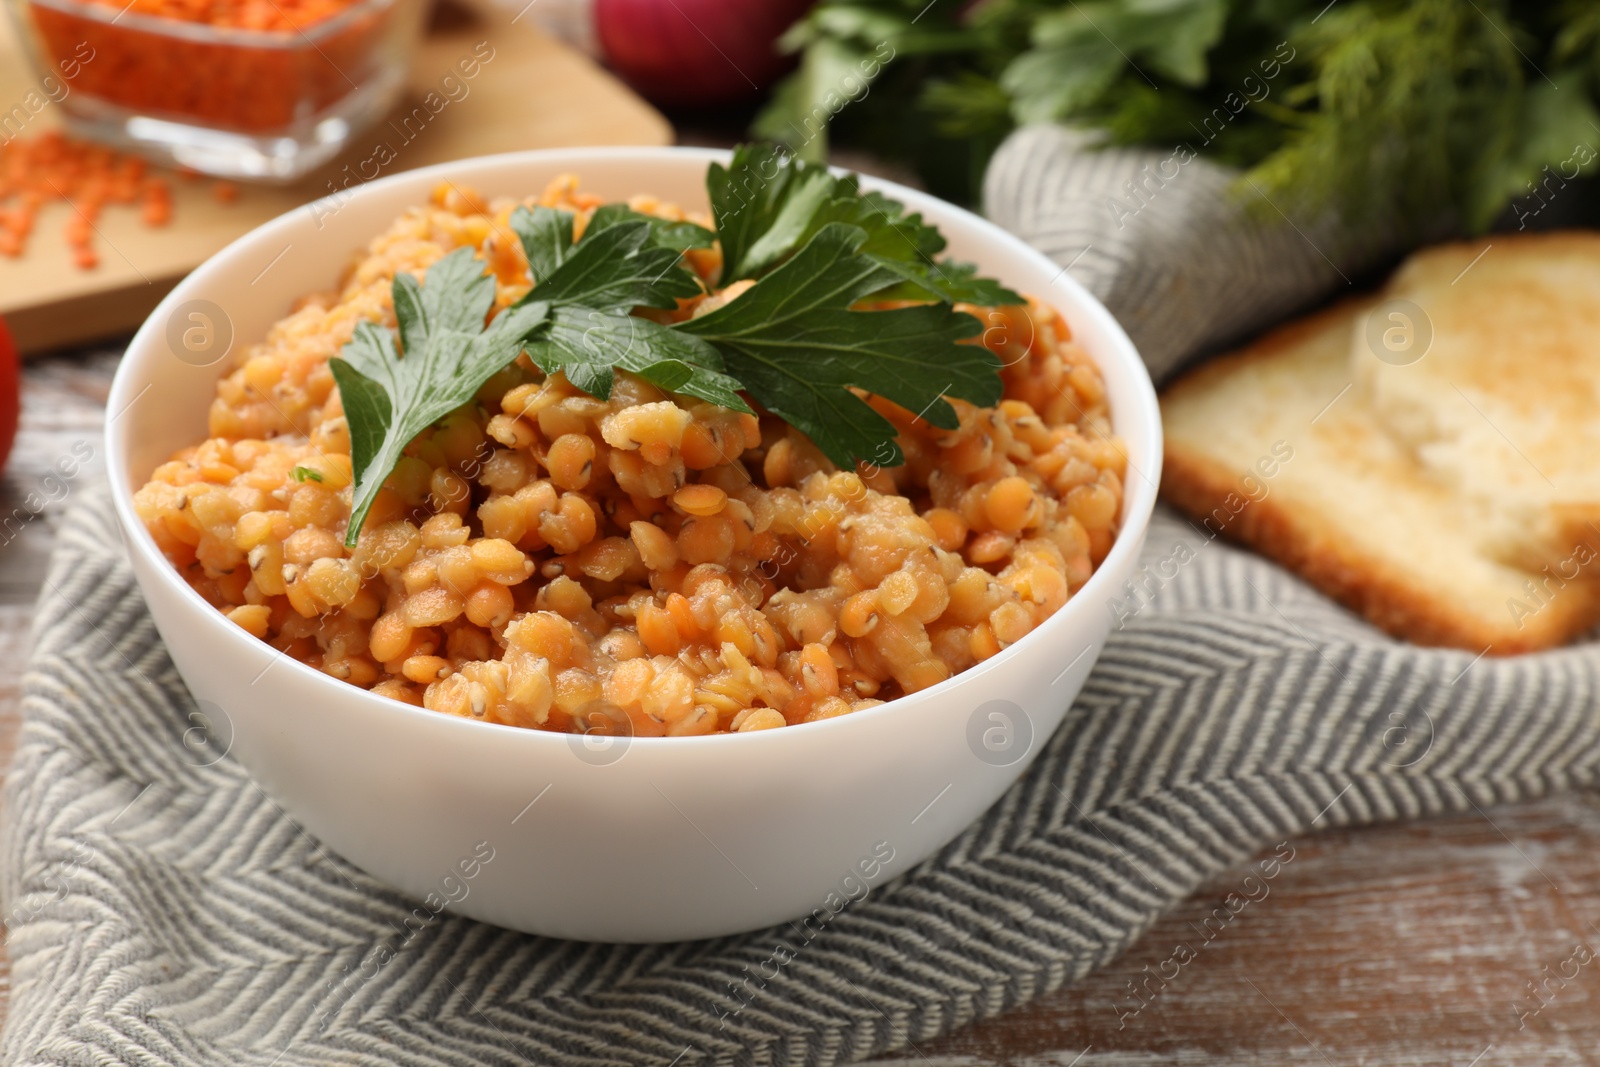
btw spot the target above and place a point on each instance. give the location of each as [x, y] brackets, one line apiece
[166, 913]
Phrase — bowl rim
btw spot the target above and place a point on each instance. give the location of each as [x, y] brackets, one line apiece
[1139, 497]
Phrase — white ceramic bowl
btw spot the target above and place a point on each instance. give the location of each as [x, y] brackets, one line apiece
[651, 839]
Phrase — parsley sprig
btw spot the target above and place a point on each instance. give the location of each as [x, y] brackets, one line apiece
[796, 340]
[389, 400]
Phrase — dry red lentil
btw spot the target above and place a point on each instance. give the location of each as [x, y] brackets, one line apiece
[38, 169]
[646, 564]
[269, 67]
[237, 14]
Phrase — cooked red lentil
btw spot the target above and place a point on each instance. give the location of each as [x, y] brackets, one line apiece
[646, 564]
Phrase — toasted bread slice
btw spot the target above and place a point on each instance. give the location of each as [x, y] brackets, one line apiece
[1504, 407]
[1273, 447]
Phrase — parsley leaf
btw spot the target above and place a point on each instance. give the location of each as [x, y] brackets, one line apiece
[763, 202]
[302, 474]
[590, 288]
[813, 244]
[679, 236]
[906, 246]
[448, 354]
[949, 282]
[793, 343]
[767, 206]
[546, 236]
[610, 271]
[586, 344]
[891, 233]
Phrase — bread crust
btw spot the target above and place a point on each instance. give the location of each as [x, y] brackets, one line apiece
[1198, 485]
[1289, 336]
[1295, 536]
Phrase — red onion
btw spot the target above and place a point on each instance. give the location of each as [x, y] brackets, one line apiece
[696, 53]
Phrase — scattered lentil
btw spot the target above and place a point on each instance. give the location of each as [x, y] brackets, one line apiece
[38, 169]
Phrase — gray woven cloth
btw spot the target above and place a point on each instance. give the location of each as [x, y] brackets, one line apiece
[1185, 253]
[162, 912]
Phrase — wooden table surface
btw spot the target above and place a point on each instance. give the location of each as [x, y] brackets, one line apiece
[1407, 945]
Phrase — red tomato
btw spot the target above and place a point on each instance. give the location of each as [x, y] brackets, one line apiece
[10, 392]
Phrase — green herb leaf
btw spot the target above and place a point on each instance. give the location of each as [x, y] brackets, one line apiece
[793, 222]
[763, 202]
[1406, 116]
[302, 474]
[678, 236]
[794, 345]
[587, 344]
[891, 233]
[546, 236]
[610, 269]
[947, 282]
[906, 246]
[816, 247]
[614, 271]
[1170, 38]
[390, 398]
[801, 199]
[1053, 82]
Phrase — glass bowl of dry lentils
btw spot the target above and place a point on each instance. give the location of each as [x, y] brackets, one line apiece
[642, 513]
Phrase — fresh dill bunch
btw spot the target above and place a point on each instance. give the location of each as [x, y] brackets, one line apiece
[1411, 108]
[1424, 114]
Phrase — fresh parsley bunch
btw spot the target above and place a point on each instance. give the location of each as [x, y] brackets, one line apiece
[812, 245]
[1422, 113]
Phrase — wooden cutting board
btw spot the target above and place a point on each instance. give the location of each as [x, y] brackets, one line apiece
[533, 93]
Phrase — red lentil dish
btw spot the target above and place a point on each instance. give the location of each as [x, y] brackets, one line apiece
[644, 563]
